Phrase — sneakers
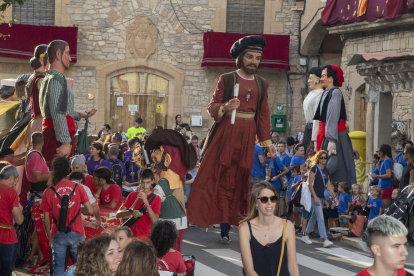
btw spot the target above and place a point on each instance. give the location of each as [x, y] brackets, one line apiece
[306, 240]
[191, 224]
[330, 237]
[225, 240]
[327, 243]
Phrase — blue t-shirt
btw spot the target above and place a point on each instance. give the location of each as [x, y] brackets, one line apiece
[291, 182]
[344, 199]
[385, 165]
[376, 171]
[400, 159]
[286, 161]
[258, 169]
[275, 167]
[296, 160]
[132, 167]
[376, 205]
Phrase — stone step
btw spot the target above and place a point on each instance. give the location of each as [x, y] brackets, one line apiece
[356, 243]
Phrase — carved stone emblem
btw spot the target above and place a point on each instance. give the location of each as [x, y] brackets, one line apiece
[142, 37]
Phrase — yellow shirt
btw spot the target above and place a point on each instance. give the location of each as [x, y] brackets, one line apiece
[132, 132]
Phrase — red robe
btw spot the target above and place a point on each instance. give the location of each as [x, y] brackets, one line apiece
[221, 189]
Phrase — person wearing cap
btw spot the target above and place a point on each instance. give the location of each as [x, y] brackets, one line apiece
[221, 189]
[56, 100]
[332, 135]
[7, 90]
[7, 154]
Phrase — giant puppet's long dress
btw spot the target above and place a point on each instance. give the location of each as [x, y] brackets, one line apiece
[221, 189]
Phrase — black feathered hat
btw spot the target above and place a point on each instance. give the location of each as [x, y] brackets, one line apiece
[253, 43]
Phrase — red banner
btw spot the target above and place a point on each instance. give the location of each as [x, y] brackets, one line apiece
[217, 50]
[351, 11]
[19, 41]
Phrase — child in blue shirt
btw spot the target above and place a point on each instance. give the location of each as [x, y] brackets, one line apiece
[344, 203]
[292, 211]
[276, 170]
[375, 203]
[331, 203]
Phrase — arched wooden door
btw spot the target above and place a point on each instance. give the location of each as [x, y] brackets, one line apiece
[144, 92]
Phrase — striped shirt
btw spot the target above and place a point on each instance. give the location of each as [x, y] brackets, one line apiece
[50, 106]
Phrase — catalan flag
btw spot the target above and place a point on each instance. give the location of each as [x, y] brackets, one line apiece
[362, 7]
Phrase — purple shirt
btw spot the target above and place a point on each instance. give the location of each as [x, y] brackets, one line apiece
[92, 165]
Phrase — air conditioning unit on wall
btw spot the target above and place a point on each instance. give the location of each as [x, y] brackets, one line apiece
[197, 121]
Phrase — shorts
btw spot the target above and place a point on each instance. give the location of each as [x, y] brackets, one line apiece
[351, 234]
[281, 193]
[387, 192]
[332, 213]
[297, 209]
[343, 220]
[305, 214]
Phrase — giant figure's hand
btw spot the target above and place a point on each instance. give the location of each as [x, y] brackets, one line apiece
[63, 150]
[231, 105]
[70, 82]
[331, 148]
[92, 112]
[271, 152]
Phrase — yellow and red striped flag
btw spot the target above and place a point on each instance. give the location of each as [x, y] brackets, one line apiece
[362, 7]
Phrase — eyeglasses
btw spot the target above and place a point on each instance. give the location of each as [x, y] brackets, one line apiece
[323, 157]
[265, 199]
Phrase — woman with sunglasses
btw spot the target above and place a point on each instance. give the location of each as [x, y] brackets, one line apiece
[267, 242]
[318, 180]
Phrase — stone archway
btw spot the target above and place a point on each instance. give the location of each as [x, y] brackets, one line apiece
[175, 77]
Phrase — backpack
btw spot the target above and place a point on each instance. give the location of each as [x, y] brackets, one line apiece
[65, 199]
[116, 172]
[297, 194]
[396, 173]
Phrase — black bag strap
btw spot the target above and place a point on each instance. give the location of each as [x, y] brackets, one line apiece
[116, 162]
[70, 196]
[151, 199]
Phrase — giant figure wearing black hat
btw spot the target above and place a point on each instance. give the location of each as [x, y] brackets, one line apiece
[221, 189]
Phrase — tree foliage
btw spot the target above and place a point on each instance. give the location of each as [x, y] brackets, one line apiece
[7, 3]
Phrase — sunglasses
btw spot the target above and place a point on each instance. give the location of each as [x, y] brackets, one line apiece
[323, 157]
[265, 199]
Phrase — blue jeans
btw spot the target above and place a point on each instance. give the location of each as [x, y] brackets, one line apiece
[254, 180]
[187, 190]
[60, 243]
[317, 215]
[225, 228]
[8, 254]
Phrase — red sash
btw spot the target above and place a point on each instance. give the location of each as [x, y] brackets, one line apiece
[321, 132]
[48, 123]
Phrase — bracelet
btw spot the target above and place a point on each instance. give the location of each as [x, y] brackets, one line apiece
[96, 196]
[68, 146]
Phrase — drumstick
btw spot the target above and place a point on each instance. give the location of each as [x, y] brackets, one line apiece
[236, 94]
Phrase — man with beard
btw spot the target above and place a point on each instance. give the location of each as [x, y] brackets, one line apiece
[221, 189]
[56, 101]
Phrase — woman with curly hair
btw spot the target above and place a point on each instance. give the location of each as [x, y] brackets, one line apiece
[163, 237]
[318, 180]
[139, 259]
[100, 256]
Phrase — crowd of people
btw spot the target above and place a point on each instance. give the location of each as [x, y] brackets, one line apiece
[121, 205]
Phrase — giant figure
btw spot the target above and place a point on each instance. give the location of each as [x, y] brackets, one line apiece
[56, 100]
[332, 135]
[310, 104]
[221, 189]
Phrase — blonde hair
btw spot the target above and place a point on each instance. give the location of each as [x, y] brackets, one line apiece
[254, 195]
[376, 188]
[383, 227]
[315, 159]
[359, 187]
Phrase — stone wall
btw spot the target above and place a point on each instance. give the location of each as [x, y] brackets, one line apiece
[102, 41]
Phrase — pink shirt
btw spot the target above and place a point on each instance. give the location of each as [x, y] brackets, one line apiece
[35, 163]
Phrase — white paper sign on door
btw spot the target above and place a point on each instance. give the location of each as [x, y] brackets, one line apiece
[119, 101]
[132, 107]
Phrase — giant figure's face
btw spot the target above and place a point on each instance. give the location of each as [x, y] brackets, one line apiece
[251, 61]
[66, 59]
[313, 81]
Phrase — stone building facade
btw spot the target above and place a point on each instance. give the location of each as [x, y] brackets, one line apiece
[172, 33]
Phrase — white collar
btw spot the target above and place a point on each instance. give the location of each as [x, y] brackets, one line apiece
[242, 77]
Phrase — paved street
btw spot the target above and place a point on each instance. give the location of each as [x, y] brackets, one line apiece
[214, 258]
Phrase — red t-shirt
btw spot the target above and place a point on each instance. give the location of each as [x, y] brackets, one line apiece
[113, 193]
[142, 227]
[365, 272]
[173, 262]
[36, 162]
[51, 203]
[8, 200]
[89, 183]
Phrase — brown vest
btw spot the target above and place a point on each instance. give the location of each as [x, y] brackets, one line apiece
[230, 79]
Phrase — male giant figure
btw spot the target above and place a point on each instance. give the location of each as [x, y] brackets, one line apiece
[56, 101]
[221, 189]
